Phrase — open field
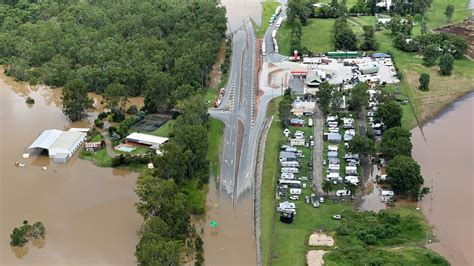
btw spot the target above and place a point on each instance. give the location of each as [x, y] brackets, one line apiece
[268, 9]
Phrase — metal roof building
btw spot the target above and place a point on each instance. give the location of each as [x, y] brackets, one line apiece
[145, 139]
[61, 145]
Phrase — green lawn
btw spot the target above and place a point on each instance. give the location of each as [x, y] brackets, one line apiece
[100, 158]
[215, 137]
[165, 129]
[318, 36]
[268, 9]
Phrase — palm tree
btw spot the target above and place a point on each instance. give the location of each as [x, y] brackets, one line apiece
[327, 186]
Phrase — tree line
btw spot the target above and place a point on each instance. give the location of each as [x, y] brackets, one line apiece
[162, 49]
[163, 203]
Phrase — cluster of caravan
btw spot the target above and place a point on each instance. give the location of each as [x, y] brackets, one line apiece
[351, 161]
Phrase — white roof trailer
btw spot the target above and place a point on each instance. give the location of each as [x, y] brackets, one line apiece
[278, 10]
[279, 21]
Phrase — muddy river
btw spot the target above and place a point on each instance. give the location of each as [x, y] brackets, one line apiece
[88, 211]
[446, 158]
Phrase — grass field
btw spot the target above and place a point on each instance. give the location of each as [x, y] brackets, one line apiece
[215, 137]
[165, 129]
[100, 158]
[318, 36]
[268, 9]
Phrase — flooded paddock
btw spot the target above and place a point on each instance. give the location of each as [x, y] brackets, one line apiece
[88, 211]
[446, 159]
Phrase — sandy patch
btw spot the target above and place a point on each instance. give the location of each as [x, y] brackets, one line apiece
[321, 239]
[315, 257]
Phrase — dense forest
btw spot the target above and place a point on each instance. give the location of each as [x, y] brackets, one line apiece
[162, 49]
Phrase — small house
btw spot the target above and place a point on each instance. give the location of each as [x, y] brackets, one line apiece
[93, 146]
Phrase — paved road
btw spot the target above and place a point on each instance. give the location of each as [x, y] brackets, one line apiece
[318, 151]
[238, 108]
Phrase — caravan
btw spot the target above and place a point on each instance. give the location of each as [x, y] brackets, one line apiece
[290, 170]
[291, 164]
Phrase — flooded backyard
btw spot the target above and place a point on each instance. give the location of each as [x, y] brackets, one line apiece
[88, 211]
[446, 159]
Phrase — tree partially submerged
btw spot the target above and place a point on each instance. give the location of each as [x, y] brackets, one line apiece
[405, 177]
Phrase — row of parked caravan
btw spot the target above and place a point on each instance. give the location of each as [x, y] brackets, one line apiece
[350, 161]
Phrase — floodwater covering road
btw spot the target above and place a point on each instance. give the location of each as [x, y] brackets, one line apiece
[88, 211]
[447, 158]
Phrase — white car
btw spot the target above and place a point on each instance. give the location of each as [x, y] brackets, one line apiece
[336, 217]
[294, 197]
[303, 178]
[321, 199]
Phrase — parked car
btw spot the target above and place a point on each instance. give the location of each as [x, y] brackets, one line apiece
[321, 199]
[294, 197]
[336, 217]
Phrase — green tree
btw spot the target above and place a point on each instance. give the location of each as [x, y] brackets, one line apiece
[362, 145]
[396, 141]
[369, 43]
[324, 95]
[75, 99]
[116, 96]
[352, 188]
[390, 114]
[299, 8]
[423, 27]
[448, 12]
[158, 251]
[345, 38]
[446, 64]
[430, 55]
[327, 186]
[359, 96]
[404, 175]
[424, 82]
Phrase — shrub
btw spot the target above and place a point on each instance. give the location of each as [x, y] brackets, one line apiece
[133, 109]
[98, 123]
[30, 100]
[102, 115]
[446, 64]
[424, 82]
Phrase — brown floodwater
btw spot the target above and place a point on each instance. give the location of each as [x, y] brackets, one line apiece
[238, 10]
[446, 159]
[88, 211]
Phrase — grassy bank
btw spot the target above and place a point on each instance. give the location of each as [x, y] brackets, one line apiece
[215, 138]
[100, 158]
[165, 129]
[268, 9]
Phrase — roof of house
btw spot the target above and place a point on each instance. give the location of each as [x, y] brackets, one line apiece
[67, 140]
[46, 139]
[296, 121]
[334, 136]
[146, 139]
[313, 78]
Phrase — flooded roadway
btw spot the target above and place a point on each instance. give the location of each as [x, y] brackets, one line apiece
[446, 160]
[232, 242]
[88, 211]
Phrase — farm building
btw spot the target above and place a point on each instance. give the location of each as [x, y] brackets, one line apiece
[151, 141]
[60, 145]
